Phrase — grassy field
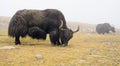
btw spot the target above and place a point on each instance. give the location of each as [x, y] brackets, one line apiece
[83, 50]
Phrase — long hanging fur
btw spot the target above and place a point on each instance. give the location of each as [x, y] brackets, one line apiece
[37, 33]
[17, 26]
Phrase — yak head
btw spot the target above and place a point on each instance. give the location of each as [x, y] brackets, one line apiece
[112, 29]
[65, 34]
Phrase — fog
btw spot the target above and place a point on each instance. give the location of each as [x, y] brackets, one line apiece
[86, 11]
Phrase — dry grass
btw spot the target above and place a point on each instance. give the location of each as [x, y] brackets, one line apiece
[84, 50]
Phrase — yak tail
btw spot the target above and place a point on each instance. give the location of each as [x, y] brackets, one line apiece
[17, 26]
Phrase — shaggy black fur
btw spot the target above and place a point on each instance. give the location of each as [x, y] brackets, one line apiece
[37, 33]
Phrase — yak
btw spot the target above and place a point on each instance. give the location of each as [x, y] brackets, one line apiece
[38, 23]
[104, 28]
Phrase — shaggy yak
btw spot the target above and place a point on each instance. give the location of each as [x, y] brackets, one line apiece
[104, 28]
[38, 23]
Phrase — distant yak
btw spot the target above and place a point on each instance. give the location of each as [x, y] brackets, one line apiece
[38, 23]
[104, 28]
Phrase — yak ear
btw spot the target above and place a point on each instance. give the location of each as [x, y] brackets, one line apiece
[76, 30]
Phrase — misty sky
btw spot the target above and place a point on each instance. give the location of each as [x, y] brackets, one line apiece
[86, 11]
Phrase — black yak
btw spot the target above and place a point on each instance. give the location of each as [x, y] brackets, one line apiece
[104, 28]
[38, 23]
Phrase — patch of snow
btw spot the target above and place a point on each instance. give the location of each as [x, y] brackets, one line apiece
[7, 47]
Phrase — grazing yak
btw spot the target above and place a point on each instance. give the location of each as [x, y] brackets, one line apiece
[104, 28]
[38, 23]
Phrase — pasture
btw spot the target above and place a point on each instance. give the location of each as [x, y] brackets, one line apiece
[83, 50]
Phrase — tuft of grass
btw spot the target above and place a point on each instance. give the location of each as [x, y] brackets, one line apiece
[83, 50]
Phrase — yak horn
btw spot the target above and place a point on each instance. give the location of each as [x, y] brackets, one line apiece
[61, 21]
[76, 30]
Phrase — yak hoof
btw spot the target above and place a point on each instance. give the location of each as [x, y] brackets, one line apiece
[63, 45]
[53, 44]
[17, 43]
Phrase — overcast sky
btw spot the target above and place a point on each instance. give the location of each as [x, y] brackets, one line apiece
[86, 11]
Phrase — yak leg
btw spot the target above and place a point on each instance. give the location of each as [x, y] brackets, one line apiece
[17, 40]
[58, 42]
[54, 38]
[55, 42]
